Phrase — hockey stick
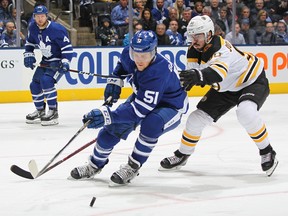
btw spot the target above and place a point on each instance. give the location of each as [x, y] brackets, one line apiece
[25, 174]
[32, 164]
[82, 72]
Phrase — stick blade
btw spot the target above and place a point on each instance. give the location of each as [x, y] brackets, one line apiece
[33, 168]
[20, 172]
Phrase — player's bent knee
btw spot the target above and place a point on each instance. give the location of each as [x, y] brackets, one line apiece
[152, 125]
[246, 112]
[198, 119]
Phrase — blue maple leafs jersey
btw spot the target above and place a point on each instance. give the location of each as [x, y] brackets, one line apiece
[156, 86]
[53, 41]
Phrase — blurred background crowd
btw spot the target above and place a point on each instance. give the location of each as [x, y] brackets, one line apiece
[255, 22]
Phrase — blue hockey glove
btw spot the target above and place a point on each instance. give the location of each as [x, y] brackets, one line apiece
[98, 117]
[191, 77]
[64, 66]
[29, 60]
[113, 89]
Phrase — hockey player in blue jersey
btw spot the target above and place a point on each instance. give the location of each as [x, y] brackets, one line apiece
[52, 39]
[156, 105]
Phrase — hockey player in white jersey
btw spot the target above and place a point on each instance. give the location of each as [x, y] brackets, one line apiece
[52, 39]
[156, 105]
[237, 79]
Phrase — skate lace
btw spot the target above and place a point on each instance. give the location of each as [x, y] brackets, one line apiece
[126, 172]
[174, 159]
[50, 113]
[86, 170]
[265, 158]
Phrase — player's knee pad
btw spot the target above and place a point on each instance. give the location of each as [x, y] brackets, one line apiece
[247, 113]
[47, 82]
[35, 87]
[197, 121]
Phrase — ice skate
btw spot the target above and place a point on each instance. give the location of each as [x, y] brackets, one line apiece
[174, 162]
[35, 117]
[269, 162]
[51, 118]
[84, 172]
[126, 173]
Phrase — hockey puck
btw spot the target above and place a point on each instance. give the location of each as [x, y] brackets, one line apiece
[92, 201]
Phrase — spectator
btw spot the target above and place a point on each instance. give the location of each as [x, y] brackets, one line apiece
[207, 11]
[223, 21]
[260, 25]
[147, 20]
[9, 36]
[281, 33]
[179, 6]
[5, 15]
[183, 22]
[159, 12]
[167, 3]
[120, 18]
[245, 14]
[138, 8]
[229, 7]
[259, 5]
[215, 9]
[248, 33]
[1, 27]
[174, 36]
[198, 7]
[172, 16]
[285, 19]
[106, 33]
[85, 13]
[269, 36]
[163, 38]
[239, 39]
[136, 27]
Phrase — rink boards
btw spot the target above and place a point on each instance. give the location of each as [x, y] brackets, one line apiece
[15, 78]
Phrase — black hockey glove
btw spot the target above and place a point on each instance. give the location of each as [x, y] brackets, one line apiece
[191, 77]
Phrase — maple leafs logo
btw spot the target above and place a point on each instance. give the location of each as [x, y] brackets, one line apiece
[46, 50]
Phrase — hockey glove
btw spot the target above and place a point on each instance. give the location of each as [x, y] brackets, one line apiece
[189, 78]
[64, 66]
[98, 117]
[29, 60]
[113, 89]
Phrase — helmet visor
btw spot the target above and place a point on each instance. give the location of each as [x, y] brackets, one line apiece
[141, 56]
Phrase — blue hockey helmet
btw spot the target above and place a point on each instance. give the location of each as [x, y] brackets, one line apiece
[40, 9]
[143, 42]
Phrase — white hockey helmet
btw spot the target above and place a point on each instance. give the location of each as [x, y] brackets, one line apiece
[200, 24]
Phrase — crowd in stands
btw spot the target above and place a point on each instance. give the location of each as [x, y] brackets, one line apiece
[256, 21]
[8, 33]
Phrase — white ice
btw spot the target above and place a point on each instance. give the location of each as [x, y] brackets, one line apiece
[223, 177]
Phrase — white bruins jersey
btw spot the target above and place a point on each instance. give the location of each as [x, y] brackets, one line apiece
[238, 69]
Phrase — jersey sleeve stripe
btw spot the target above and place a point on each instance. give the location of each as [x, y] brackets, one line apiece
[67, 46]
[220, 69]
[250, 72]
[192, 60]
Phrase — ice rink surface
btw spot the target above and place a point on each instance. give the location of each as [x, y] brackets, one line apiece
[223, 176]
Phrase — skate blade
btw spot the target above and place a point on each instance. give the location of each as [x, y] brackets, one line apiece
[50, 123]
[271, 170]
[115, 185]
[82, 179]
[162, 169]
[36, 121]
